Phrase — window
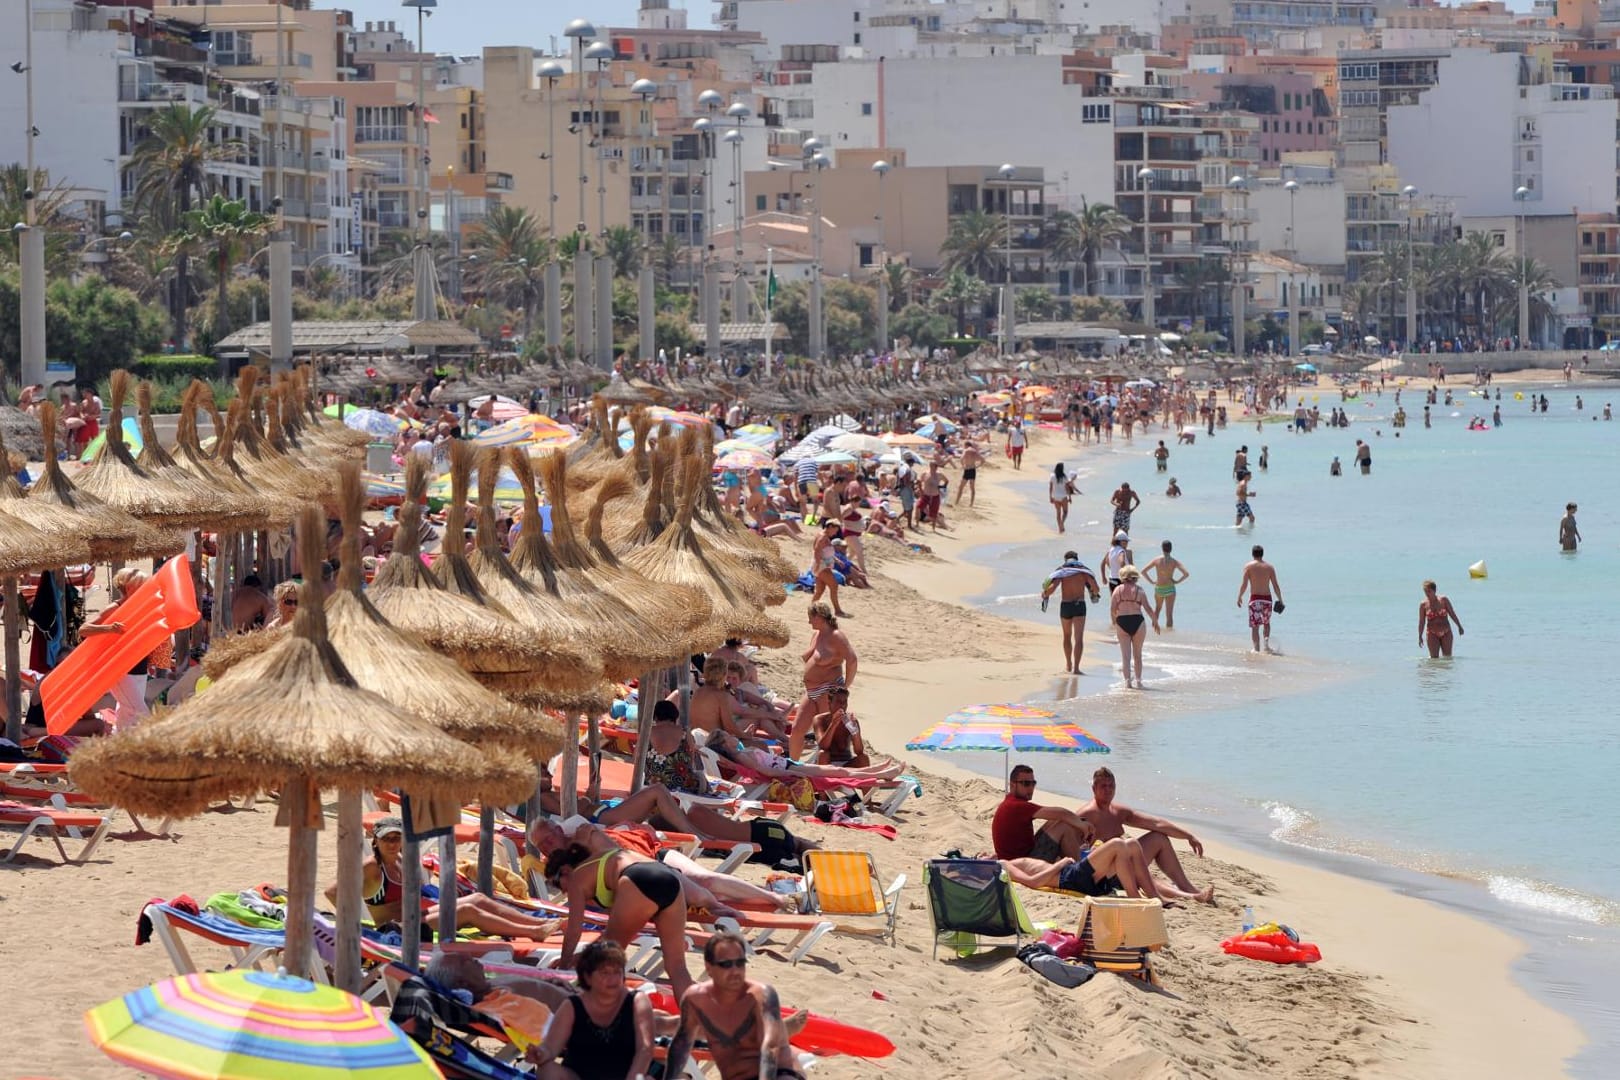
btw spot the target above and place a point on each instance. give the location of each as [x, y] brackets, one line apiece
[866, 108]
[867, 255]
[759, 204]
[857, 16]
[1102, 113]
[857, 39]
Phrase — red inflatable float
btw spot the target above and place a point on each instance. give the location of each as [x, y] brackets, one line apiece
[1276, 948]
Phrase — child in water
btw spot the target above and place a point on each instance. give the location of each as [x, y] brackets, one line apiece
[1335, 469]
[1174, 490]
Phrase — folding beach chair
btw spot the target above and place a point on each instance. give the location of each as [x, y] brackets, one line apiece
[846, 883]
[53, 822]
[1133, 920]
[972, 898]
[248, 947]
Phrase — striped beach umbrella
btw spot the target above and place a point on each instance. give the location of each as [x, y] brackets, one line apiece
[374, 422]
[252, 1025]
[744, 458]
[1008, 728]
[530, 429]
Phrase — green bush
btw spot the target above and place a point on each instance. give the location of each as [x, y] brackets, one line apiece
[160, 368]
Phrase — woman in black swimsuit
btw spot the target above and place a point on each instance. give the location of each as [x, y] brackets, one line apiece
[602, 1033]
[1129, 609]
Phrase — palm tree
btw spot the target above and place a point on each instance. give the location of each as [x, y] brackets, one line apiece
[666, 257]
[960, 291]
[1484, 272]
[1539, 283]
[1199, 278]
[1082, 238]
[623, 246]
[900, 278]
[512, 251]
[170, 163]
[221, 227]
[975, 244]
[50, 213]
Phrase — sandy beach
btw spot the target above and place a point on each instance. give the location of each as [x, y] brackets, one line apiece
[1407, 988]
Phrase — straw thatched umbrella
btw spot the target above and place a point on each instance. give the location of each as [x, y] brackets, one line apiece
[678, 557]
[629, 642]
[268, 470]
[632, 525]
[116, 479]
[622, 393]
[213, 508]
[483, 640]
[56, 503]
[296, 721]
[760, 555]
[21, 431]
[487, 576]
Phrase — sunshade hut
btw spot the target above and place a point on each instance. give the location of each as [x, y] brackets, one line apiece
[56, 502]
[115, 478]
[298, 722]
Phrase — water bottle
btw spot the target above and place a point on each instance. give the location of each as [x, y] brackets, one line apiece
[1248, 918]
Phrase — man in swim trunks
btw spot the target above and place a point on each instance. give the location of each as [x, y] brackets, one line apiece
[1110, 818]
[1012, 829]
[741, 1019]
[972, 458]
[1162, 456]
[1260, 582]
[1243, 494]
[1161, 574]
[1125, 503]
[1072, 581]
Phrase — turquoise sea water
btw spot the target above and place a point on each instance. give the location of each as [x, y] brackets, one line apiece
[1497, 767]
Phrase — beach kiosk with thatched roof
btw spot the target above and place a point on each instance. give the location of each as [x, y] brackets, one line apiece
[311, 337]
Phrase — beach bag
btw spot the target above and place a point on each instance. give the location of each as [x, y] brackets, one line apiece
[799, 793]
[1121, 922]
[1040, 957]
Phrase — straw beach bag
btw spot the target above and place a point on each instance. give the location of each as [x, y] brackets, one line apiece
[1119, 922]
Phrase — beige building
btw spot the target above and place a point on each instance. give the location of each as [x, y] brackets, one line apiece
[317, 43]
[919, 204]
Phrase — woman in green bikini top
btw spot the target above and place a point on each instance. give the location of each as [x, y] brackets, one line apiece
[634, 893]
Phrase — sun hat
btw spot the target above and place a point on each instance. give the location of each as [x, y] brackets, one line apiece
[1122, 535]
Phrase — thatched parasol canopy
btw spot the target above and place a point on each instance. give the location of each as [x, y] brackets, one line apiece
[621, 393]
[213, 509]
[25, 548]
[55, 503]
[231, 483]
[486, 574]
[293, 716]
[481, 639]
[629, 642]
[269, 471]
[115, 477]
[678, 557]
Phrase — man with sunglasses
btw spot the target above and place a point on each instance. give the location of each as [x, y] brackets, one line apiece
[1064, 833]
[740, 1018]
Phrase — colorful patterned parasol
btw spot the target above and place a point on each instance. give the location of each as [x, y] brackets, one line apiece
[248, 1025]
[1022, 728]
[530, 429]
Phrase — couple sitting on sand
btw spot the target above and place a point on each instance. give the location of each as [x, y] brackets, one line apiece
[1086, 850]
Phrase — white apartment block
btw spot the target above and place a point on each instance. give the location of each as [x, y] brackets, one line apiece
[1480, 133]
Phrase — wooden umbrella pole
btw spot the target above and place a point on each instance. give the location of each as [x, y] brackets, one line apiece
[447, 888]
[223, 593]
[297, 806]
[568, 793]
[410, 913]
[351, 854]
[652, 690]
[683, 679]
[486, 849]
[593, 747]
[13, 626]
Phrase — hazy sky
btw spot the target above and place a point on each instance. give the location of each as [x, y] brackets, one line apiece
[466, 26]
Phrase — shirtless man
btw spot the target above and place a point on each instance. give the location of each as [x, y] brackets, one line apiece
[1109, 819]
[741, 1019]
[1260, 582]
[712, 708]
[972, 458]
[1073, 581]
[932, 493]
[251, 607]
[1242, 495]
[1161, 574]
[1125, 502]
[1240, 462]
[838, 734]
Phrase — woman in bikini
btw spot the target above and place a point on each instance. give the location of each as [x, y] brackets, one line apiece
[822, 560]
[830, 662]
[1062, 492]
[634, 891]
[382, 887]
[602, 1031]
[1130, 609]
[1435, 616]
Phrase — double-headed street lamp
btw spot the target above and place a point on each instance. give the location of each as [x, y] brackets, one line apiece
[581, 31]
[552, 72]
[1409, 192]
[815, 159]
[882, 169]
[1520, 195]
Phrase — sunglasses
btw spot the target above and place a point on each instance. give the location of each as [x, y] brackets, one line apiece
[1031, 783]
[727, 965]
[289, 603]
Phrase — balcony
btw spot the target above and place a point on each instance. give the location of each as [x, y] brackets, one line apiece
[178, 51]
[393, 219]
[383, 133]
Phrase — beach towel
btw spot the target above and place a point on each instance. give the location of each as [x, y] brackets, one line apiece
[1067, 570]
[888, 832]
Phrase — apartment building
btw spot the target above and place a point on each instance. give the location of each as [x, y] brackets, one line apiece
[1265, 21]
[315, 43]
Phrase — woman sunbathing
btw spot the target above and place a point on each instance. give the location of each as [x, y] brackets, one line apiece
[382, 888]
[774, 766]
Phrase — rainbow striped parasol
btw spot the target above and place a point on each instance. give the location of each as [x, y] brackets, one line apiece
[252, 1025]
[531, 430]
[1008, 728]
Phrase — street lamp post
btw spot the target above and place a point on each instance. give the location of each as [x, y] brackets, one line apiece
[1292, 187]
[647, 297]
[882, 169]
[818, 325]
[738, 114]
[30, 239]
[709, 274]
[1520, 194]
[1409, 192]
[1009, 315]
[1144, 176]
[1240, 286]
[581, 31]
[602, 355]
[552, 71]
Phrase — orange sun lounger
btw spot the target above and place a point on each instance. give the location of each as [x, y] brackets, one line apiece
[54, 823]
